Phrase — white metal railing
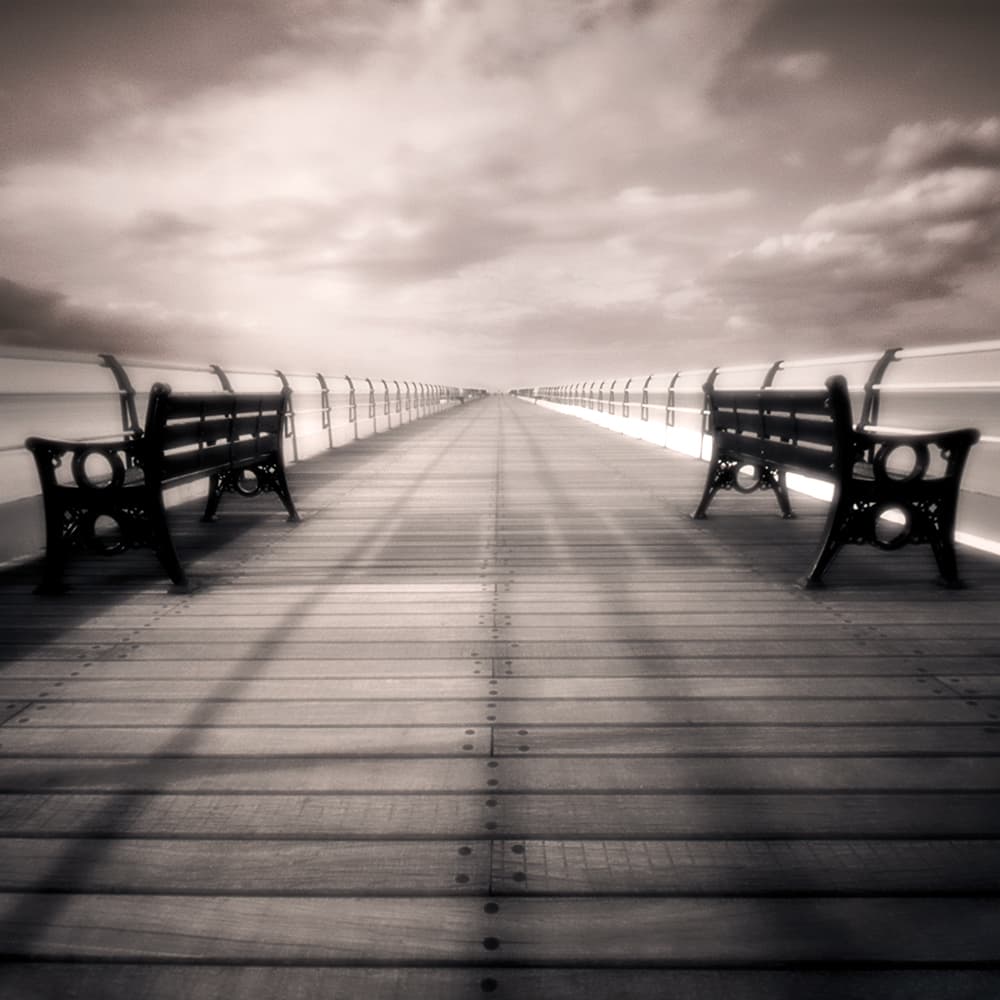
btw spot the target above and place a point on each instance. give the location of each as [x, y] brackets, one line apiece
[900, 389]
[69, 394]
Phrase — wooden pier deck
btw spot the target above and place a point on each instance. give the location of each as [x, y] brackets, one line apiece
[497, 717]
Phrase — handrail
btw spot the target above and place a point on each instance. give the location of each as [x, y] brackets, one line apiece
[873, 388]
[126, 392]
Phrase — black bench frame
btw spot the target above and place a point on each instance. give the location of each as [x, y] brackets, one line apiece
[770, 431]
[233, 439]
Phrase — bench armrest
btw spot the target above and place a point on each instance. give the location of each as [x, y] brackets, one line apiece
[952, 447]
[49, 454]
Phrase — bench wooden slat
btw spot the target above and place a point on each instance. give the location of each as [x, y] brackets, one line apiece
[180, 405]
[755, 424]
[177, 435]
[776, 400]
[815, 461]
[200, 461]
[808, 429]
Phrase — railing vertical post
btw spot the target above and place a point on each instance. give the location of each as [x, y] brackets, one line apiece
[126, 396]
[327, 410]
[352, 405]
[644, 408]
[352, 401]
[223, 378]
[771, 373]
[399, 401]
[289, 415]
[600, 396]
[371, 405]
[625, 398]
[611, 398]
[672, 400]
[385, 404]
[870, 405]
[709, 383]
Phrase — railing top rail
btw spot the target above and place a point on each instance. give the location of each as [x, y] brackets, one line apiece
[937, 386]
[947, 350]
[12, 353]
[833, 360]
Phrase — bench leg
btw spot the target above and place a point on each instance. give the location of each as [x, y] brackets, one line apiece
[58, 522]
[215, 491]
[944, 554]
[830, 545]
[163, 545]
[717, 476]
[280, 487]
[781, 492]
[53, 569]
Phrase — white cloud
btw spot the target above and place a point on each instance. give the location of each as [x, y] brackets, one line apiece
[478, 160]
[938, 197]
[802, 67]
[925, 146]
[913, 236]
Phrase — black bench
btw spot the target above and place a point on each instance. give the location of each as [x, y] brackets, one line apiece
[233, 439]
[759, 434]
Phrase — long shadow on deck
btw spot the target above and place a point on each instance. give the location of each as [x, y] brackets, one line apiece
[36, 911]
[836, 936]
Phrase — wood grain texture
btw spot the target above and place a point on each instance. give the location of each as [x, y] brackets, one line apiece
[122, 981]
[339, 931]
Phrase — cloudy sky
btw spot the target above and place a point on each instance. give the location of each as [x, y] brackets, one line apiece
[498, 192]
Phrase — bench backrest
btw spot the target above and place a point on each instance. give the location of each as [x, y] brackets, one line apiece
[804, 429]
[189, 435]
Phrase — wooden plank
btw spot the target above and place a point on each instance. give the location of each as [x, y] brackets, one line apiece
[424, 741]
[739, 867]
[476, 774]
[278, 669]
[732, 650]
[257, 774]
[121, 981]
[225, 603]
[743, 932]
[836, 665]
[87, 686]
[538, 712]
[306, 637]
[242, 867]
[316, 624]
[735, 739]
[264, 650]
[557, 816]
